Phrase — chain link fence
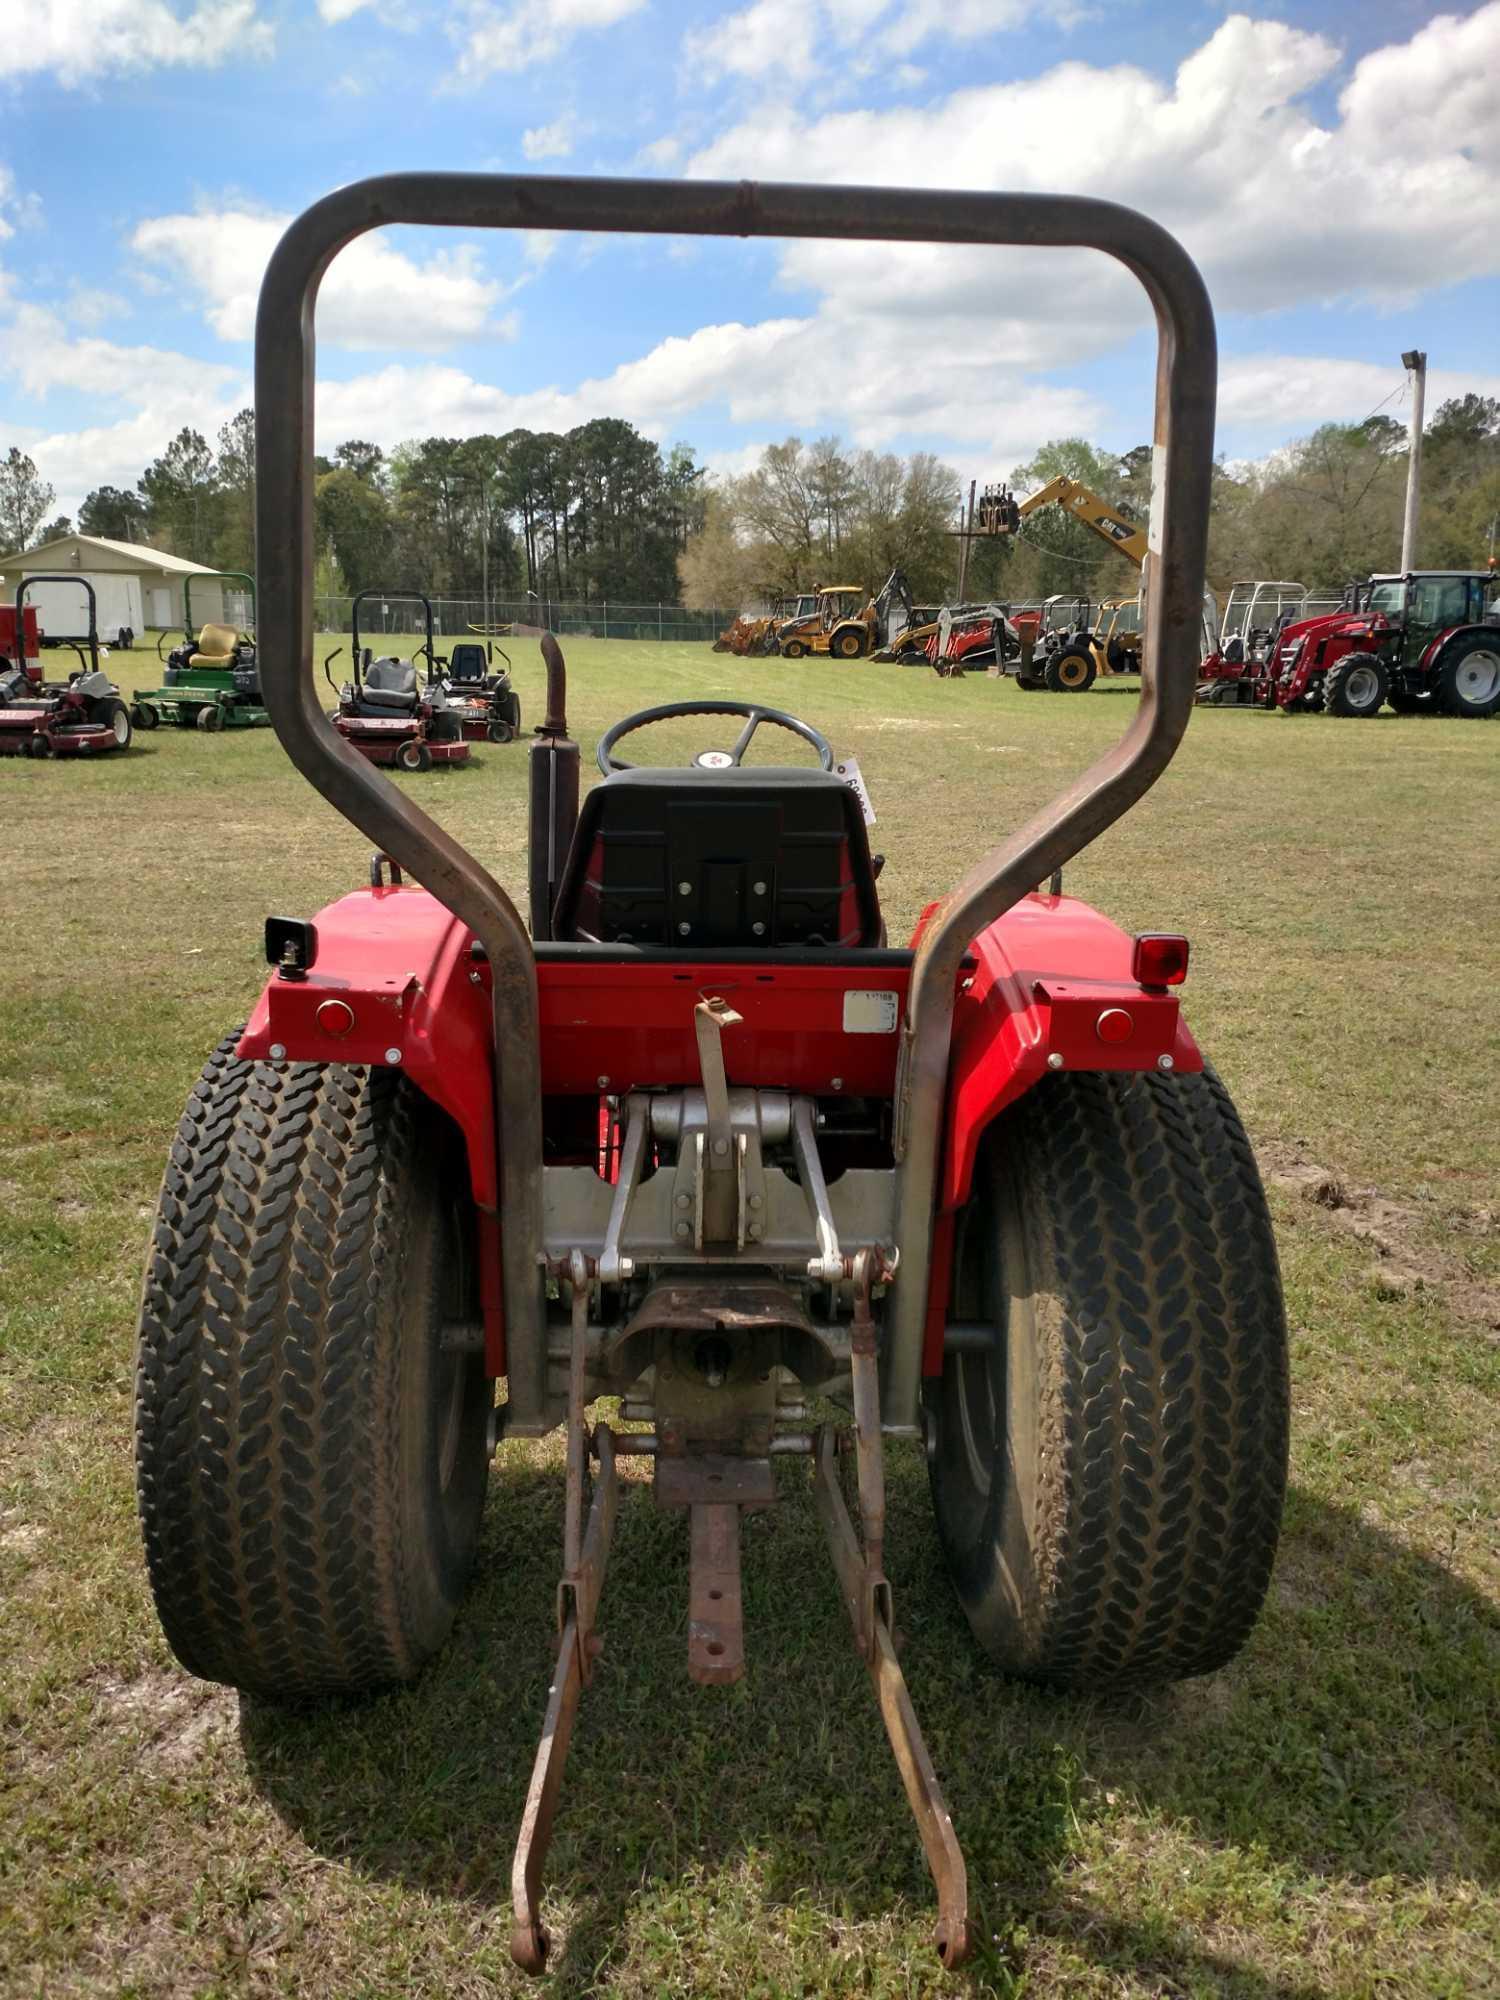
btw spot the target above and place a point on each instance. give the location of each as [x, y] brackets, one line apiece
[455, 616]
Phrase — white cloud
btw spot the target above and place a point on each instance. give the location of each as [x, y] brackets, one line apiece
[548, 142]
[792, 38]
[522, 33]
[78, 40]
[1277, 207]
[340, 10]
[162, 390]
[90, 306]
[373, 296]
[1269, 397]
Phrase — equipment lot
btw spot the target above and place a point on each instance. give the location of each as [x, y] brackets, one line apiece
[1327, 1806]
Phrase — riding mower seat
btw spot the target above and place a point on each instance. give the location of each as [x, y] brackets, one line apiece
[389, 686]
[467, 665]
[690, 859]
[218, 646]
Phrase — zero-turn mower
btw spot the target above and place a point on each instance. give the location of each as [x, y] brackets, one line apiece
[489, 709]
[212, 680]
[83, 715]
[383, 710]
[703, 1141]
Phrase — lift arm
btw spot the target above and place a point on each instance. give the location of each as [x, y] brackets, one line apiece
[1107, 522]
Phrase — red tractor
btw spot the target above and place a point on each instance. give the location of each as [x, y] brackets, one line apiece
[80, 716]
[1426, 642]
[702, 1140]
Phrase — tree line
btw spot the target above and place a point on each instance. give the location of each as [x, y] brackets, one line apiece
[595, 513]
[1321, 511]
[601, 512]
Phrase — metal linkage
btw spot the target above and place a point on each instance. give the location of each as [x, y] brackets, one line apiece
[586, 1551]
[867, 1598]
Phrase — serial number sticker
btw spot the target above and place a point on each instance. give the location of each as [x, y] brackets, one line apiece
[871, 1013]
[850, 773]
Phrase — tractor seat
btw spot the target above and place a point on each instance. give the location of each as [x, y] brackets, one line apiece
[695, 860]
[389, 685]
[217, 645]
[467, 663]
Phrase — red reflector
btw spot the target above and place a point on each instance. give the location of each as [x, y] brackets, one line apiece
[1160, 961]
[1114, 1025]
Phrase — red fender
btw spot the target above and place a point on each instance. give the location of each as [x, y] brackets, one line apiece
[393, 985]
[1050, 981]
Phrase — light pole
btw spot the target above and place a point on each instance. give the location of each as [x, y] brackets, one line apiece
[1416, 362]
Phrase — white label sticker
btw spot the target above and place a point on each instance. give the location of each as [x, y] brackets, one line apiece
[850, 773]
[1158, 499]
[870, 1013]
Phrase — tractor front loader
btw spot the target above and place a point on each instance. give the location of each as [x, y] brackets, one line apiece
[700, 1139]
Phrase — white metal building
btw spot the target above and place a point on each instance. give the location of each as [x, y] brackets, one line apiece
[134, 585]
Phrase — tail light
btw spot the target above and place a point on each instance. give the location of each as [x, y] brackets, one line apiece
[1159, 960]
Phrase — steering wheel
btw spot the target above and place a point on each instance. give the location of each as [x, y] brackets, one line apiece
[711, 760]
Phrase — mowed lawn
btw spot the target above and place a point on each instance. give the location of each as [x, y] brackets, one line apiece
[1322, 1818]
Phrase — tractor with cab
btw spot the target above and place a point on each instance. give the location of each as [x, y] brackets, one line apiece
[384, 711]
[699, 1141]
[81, 715]
[212, 679]
[1427, 642]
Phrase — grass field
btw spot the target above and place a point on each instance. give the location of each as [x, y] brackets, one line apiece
[1323, 1818]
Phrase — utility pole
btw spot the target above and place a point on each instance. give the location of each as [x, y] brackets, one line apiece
[963, 557]
[1416, 362]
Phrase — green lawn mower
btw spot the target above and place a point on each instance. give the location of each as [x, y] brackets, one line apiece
[213, 680]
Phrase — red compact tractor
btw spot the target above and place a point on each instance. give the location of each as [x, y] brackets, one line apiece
[1427, 642]
[80, 716]
[702, 1140]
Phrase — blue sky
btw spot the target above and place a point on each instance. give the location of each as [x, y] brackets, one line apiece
[1334, 168]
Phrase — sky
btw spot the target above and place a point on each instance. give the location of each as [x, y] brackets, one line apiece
[1333, 168]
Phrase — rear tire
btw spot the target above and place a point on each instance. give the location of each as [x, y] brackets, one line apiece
[1357, 685]
[847, 645]
[1469, 678]
[1108, 1482]
[119, 722]
[310, 1461]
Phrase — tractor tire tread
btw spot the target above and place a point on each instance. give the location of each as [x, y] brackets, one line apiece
[1162, 1369]
[268, 1403]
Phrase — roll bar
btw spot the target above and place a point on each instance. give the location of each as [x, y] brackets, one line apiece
[214, 576]
[1186, 380]
[401, 597]
[92, 663]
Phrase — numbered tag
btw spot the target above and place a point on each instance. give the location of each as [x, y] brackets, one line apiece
[870, 1013]
[849, 771]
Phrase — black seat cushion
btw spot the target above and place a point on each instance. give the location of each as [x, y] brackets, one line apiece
[694, 859]
[467, 663]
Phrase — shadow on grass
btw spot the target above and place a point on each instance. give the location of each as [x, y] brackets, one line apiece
[1353, 1739]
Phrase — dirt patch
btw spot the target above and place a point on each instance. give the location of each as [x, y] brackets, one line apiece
[1392, 1230]
[175, 1721]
